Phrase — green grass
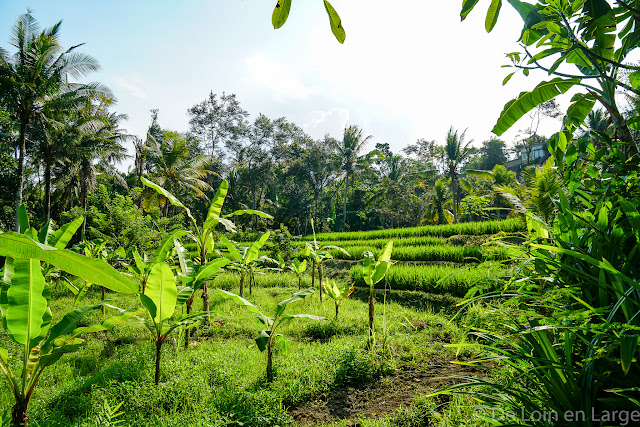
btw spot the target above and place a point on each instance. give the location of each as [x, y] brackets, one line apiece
[219, 381]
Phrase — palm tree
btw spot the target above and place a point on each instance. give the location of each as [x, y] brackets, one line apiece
[498, 179]
[33, 75]
[437, 204]
[97, 143]
[349, 159]
[174, 169]
[456, 154]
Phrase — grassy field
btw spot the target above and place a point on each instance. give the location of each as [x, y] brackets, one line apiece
[328, 378]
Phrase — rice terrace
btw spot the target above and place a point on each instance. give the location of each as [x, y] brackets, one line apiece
[306, 270]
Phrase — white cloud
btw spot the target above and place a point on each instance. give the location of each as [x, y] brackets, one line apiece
[331, 121]
[276, 77]
[131, 84]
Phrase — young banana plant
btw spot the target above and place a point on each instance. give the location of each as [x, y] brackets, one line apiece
[373, 271]
[194, 276]
[244, 258]
[299, 268]
[202, 234]
[160, 299]
[143, 265]
[26, 312]
[318, 254]
[267, 337]
[338, 292]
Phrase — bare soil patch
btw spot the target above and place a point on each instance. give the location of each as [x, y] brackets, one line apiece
[384, 395]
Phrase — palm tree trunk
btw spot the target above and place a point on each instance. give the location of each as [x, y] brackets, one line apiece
[344, 203]
[47, 189]
[454, 198]
[21, 144]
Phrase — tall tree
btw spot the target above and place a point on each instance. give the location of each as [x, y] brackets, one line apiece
[349, 159]
[36, 72]
[457, 152]
[217, 121]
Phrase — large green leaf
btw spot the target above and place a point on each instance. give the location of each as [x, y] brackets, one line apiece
[368, 267]
[492, 15]
[240, 212]
[252, 253]
[23, 218]
[240, 301]
[527, 101]
[61, 237]
[233, 251]
[26, 301]
[209, 269]
[383, 264]
[161, 289]
[215, 208]
[280, 13]
[467, 6]
[282, 305]
[66, 325]
[336, 23]
[90, 269]
[172, 199]
[166, 244]
[45, 232]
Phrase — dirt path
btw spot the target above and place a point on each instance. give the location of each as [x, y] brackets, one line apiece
[383, 396]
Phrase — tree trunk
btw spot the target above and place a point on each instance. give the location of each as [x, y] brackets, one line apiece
[187, 332]
[21, 148]
[454, 198]
[19, 417]
[47, 190]
[299, 282]
[158, 354]
[269, 362]
[344, 203]
[251, 279]
[83, 200]
[320, 279]
[371, 313]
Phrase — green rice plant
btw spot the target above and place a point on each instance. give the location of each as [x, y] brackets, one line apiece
[457, 281]
[267, 337]
[511, 225]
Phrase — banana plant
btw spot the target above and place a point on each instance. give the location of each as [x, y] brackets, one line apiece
[373, 271]
[318, 254]
[194, 276]
[245, 258]
[338, 292]
[298, 267]
[203, 234]
[26, 312]
[160, 299]
[48, 235]
[267, 337]
[142, 264]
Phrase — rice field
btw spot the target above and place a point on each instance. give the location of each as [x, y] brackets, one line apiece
[511, 225]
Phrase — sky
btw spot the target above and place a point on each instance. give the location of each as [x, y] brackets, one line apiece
[407, 70]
